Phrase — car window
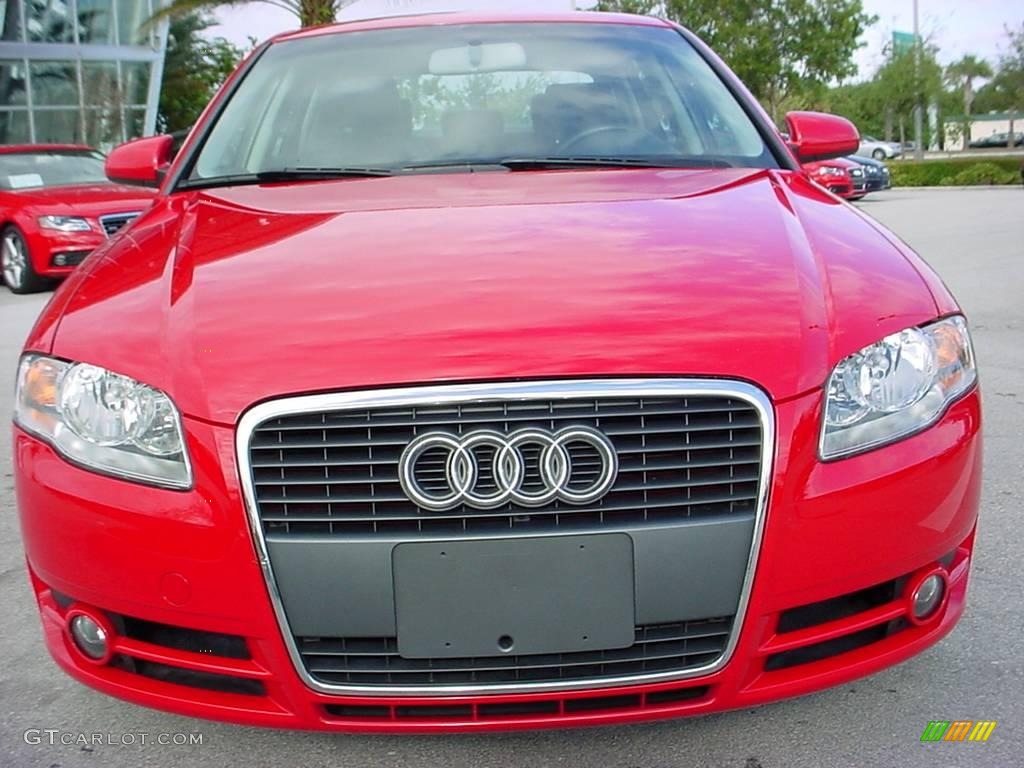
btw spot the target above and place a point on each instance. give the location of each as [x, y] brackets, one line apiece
[27, 170]
[479, 94]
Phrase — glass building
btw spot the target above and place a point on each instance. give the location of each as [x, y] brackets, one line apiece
[79, 71]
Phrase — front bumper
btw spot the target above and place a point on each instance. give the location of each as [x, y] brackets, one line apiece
[178, 577]
[56, 254]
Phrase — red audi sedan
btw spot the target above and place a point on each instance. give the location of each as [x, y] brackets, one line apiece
[841, 176]
[56, 207]
[513, 376]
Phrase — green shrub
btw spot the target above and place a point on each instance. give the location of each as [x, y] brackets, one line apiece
[955, 173]
[984, 173]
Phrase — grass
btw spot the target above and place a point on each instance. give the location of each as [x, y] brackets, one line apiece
[966, 172]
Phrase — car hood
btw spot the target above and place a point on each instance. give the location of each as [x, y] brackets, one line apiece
[227, 297]
[88, 199]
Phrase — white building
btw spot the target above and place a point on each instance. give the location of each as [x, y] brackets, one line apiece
[79, 71]
[981, 127]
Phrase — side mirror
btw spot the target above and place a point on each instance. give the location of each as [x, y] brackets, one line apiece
[820, 136]
[142, 162]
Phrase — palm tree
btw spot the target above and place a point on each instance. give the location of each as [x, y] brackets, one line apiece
[962, 74]
[309, 12]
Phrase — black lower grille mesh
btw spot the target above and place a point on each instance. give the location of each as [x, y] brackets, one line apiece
[336, 472]
[375, 661]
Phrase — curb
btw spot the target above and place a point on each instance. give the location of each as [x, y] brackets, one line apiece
[956, 189]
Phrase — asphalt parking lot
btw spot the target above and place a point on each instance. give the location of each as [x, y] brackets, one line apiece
[976, 241]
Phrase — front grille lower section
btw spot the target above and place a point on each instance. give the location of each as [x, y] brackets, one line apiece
[657, 648]
[335, 472]
[114, 222]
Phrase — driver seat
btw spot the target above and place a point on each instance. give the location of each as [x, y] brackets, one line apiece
[566, 110]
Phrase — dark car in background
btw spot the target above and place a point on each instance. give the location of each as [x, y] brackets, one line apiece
[998, 141]
[876, 173]
[56, 207]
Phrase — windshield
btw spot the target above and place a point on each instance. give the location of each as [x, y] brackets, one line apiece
[481, 94]
[28, 170]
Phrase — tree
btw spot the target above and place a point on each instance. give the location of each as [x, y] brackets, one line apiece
[863, 104]
[642, 7]
[1005, 92]
[779, 48]
[905, 83]
[194, 69]
[309, 12]
[962, 74]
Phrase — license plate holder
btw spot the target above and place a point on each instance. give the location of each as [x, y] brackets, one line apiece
[485, 598]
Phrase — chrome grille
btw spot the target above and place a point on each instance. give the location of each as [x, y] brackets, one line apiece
[375, 661]
[113, 222]
[335, 472]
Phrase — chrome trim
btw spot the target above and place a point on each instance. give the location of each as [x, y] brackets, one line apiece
[497, 391]
[509, 469]
[128, 216]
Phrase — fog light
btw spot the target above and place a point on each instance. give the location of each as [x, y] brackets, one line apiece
[90, 638]
[928, 597]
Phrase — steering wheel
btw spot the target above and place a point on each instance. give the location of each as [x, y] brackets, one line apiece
[636, 135]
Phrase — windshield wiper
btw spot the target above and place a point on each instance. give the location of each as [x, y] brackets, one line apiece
[454, 166]
[547, 163]
[284, 174]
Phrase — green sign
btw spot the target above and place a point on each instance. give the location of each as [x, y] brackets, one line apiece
[902, 42]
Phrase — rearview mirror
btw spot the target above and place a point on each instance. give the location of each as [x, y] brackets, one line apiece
[820, 136]
[477, 57]
[142, 162]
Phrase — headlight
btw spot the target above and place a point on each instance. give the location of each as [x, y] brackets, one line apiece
[896, 387]
[65, 223]
[103, 421]
[828, 170]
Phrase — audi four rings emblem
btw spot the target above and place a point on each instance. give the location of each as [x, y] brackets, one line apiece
[486, 469]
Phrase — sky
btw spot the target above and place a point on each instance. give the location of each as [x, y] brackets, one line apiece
[956, 26]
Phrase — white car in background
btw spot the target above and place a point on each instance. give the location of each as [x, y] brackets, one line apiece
[880, 150]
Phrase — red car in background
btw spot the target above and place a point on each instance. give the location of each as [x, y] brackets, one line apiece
[56, 207]
[840, 176]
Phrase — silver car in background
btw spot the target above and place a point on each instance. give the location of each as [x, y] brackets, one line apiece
[880, 150]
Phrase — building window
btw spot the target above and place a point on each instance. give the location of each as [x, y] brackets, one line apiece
[12, 84]
[135, 79]
[104, 103]
[54, 84]
[49, 21]
[136, 121]
[132, 16]
[14, 127]
[10, 21]
[57, 126]
[52, 88]
[103, 127]
[96, 22]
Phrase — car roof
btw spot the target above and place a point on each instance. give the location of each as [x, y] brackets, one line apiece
[13, 149]
[457, 18]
